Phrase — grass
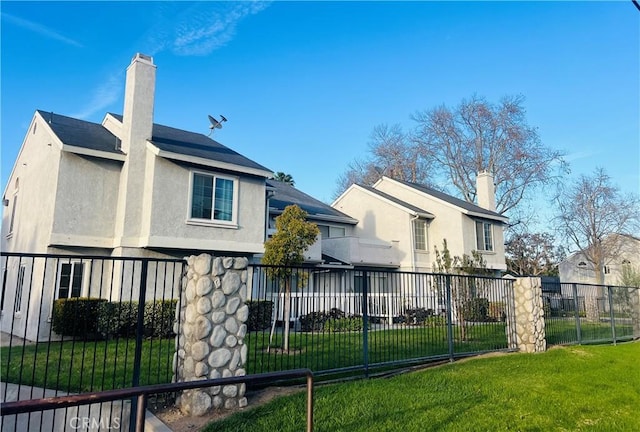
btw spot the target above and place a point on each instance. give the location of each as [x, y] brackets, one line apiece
[562, 330]
[77, 366]
[326, 351]
[573, 388]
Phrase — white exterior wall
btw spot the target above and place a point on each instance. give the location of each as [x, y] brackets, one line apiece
[85, 211]
[36, 169]
[379, 220]
[168, 211]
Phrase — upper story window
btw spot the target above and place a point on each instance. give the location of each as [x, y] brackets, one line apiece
[14, 206]
[213, 198]
[420, 238]
[328, 231]
[484, 236]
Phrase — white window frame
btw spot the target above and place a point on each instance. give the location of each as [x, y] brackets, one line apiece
[73, 264]
[422, 225]
[483, 225]
[233, 223]
[17, 301]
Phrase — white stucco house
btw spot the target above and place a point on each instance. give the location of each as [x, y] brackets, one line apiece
[125, 187]
[415, 219]
[624, 251]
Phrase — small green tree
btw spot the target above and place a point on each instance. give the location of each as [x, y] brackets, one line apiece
[284, 250]
[284, 178]
[463, 289]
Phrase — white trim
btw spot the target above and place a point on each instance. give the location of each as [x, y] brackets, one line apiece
[57, 239]
[96, 153]
[386, 200]
[208, 162]
[202, 244]
[447, 203]
[233, 223]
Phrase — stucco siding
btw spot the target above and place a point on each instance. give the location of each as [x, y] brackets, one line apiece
[35, 174]
[169, 213]
[87, 199]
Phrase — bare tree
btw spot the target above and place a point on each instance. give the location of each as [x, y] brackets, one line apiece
[392, 153]
[594, 216]
[533, 254]
[479, 136]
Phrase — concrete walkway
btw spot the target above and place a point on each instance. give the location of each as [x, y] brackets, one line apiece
[111, 416]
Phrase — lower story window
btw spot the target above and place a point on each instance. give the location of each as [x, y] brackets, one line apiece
[17, 306]
[70, 282]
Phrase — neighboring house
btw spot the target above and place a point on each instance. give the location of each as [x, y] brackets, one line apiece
[123, 188]
[624, 251]
[416, 219]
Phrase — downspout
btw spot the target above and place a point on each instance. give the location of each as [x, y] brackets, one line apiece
[413, 242]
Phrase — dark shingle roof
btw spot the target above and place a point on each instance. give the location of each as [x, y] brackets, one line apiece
[194, 144]
[80, 133]
[452, 200]
[285, 194]
[397, 201]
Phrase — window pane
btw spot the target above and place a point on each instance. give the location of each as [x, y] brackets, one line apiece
[224, 200]
[479, 236]
[65, 281]
[324, 231]
[420, 226]
[202, 196]
[13, 213]
[18, 301]
[76, 286]
[336, 231]
[488, 240]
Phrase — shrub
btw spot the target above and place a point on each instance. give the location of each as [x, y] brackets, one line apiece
[346, 324]
[260, 314]
[77, 317]
[497, 311]
[315, 321]
[118, 319]
[435, 321]
[159, 316]
[416, 316]
[476, 309]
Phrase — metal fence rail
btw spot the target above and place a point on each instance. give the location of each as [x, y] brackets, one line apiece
[75, 324]
[583, 313]
[141, 393]
[357, 319]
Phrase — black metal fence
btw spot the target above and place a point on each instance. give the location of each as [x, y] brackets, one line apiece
[346, 320]
[74, 324]
[583, 313]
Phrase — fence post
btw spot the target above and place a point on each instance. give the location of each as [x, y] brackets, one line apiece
[365, 323]
[135, 381]
[611, 314]
[576, 309]
[447, 279]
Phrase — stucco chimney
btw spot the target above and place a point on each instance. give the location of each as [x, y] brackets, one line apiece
[485, 191]
[138, 102]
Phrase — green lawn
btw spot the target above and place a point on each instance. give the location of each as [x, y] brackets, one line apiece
[562, 330]
[91, 366]
[577, 388]
[76, 366]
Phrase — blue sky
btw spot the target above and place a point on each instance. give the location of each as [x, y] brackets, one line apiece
[304, 83]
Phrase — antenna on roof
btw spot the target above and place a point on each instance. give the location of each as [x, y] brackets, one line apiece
[216, 124]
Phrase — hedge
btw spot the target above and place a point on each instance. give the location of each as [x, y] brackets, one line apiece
[92, 318]
[260, 314]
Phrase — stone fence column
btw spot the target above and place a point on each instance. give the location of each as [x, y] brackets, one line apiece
[529, 332]
[635, 311]
[210, 332]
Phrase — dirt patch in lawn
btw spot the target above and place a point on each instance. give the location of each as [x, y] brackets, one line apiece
[179, 422]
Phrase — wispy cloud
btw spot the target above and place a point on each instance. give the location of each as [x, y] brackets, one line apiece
[203, 27]
[40, 29]
[585, 154]
[103, 96]
[196, 30]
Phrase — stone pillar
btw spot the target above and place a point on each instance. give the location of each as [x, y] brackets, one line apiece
[529, 332]
[634, 300]
[211, 329]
